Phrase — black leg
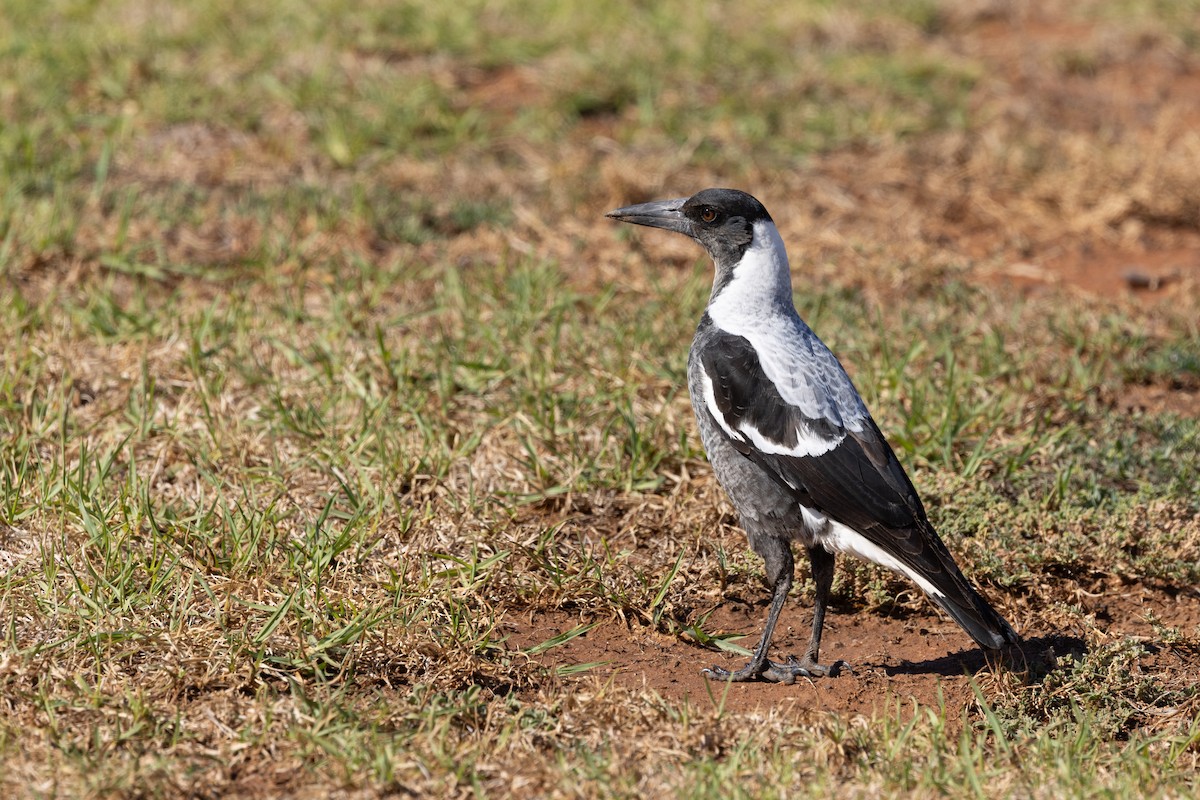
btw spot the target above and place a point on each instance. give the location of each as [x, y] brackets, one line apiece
[778, 557]
[822, 572]
[759, 666]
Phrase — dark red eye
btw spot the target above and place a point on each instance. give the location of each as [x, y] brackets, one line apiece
[708, 215]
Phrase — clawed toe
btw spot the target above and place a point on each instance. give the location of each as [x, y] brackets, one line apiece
[775, 672]
[788, 671]
[811, 669]
[746, 673]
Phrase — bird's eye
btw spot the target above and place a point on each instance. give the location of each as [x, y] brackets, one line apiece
[708, 215]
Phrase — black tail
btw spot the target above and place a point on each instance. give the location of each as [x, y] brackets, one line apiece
[928, 556]
[977, 617]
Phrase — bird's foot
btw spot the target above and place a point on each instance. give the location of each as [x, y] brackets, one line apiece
[775, 672]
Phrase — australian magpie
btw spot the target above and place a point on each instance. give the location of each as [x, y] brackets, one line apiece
[790, 439]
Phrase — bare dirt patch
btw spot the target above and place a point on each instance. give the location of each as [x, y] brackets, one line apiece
[1145, 274]
[888, 659]
[1128, 222]
[922, 657]
[1161, 399]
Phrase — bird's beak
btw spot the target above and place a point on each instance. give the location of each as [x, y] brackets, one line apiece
[664, 214]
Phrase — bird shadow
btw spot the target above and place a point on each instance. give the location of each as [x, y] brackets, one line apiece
[1034, 657]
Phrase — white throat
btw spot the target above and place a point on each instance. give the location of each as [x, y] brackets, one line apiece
[761, 280]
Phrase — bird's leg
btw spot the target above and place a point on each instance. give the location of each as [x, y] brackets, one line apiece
[822, 572]
[807, 667]
[778, 557]
[779, 569]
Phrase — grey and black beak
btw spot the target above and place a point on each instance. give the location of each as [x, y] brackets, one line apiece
[666, 214]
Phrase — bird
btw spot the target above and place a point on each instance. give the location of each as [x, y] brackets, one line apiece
[792, 442]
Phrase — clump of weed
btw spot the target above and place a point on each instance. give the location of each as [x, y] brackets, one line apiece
[1117, 688]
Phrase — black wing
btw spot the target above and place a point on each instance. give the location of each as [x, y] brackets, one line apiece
[858, 481]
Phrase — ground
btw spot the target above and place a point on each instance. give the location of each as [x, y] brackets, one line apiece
[920, 657]
[346, 446]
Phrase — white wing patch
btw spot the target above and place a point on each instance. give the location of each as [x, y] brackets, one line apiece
[808, 442]
[710, 400]
[838, 538]
[757, 305]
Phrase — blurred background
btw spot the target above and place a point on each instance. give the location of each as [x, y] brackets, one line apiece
[1037, 142]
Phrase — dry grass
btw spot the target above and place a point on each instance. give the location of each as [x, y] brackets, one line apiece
[346, 450]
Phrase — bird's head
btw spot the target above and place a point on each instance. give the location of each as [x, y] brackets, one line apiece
[722, 220]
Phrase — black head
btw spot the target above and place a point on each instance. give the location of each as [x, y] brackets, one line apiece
[722, 220]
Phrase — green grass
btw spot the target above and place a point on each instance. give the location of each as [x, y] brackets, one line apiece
[136, 556]
[322, 372]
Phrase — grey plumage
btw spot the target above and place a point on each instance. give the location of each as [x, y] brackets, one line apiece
[790, 439]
